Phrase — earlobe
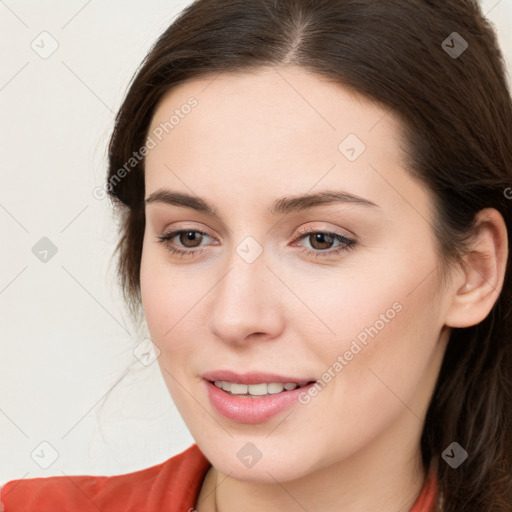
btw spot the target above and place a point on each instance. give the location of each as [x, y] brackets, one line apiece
[483, 273]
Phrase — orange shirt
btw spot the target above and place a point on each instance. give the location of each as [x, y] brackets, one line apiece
[172, 486]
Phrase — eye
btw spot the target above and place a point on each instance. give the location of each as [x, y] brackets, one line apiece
[321, 242]
[190, 238]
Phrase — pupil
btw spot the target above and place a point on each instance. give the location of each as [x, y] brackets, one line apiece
[321, 238]
[190, 236]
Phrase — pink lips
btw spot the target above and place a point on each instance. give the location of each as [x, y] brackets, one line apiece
[245, 409]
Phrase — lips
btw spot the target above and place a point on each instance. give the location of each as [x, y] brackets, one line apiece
[254, 377]
[249, 409]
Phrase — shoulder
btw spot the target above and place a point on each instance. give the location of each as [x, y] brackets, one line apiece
[177, 481]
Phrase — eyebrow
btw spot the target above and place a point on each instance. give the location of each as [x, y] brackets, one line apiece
[283, 205]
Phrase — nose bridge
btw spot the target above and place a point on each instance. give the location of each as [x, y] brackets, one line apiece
[245, 302]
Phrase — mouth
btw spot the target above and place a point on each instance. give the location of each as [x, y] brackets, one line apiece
[253, 402]
[257, 390]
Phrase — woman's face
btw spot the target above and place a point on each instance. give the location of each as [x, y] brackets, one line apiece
[344, 292]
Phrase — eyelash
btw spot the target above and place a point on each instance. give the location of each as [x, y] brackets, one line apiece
[347, 243]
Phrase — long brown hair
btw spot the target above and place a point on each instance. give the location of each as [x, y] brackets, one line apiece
[437, 65]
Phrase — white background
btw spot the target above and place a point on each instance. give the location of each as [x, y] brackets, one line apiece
[66, 338]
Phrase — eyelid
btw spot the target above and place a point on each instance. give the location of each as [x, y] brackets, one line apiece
[179, 229]
[170, 234]
[300, 232]
[318, 229]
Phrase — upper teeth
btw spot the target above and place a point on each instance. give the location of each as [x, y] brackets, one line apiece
[255, 389]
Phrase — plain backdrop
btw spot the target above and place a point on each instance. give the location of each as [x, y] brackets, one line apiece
[66, 339]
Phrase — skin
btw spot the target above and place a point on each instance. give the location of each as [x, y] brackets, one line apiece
[255, 137]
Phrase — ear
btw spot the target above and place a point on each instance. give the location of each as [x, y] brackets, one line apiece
[480, 282]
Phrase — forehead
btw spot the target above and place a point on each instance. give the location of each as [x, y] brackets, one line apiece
[271, 105]
[274, 131]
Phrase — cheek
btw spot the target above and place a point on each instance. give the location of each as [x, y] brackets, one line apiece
[159, 292]
[384, 329]
[172, 302]
[380, 365]
[368, 304]
[388, 352]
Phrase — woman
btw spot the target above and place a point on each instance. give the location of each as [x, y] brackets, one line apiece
[315, 204]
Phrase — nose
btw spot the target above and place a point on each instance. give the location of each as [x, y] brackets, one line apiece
[246, 303]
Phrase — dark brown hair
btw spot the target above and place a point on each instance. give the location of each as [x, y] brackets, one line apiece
[457, 115]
